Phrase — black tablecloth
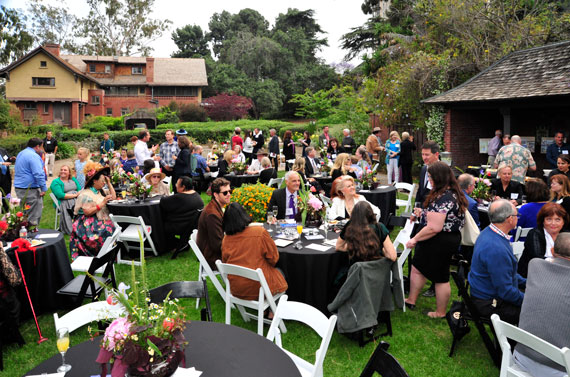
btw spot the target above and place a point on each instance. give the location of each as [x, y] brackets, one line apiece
[310, 273]
[242, 179]
[150, 212]
[216, 349]
[51, 271]
[383, 198]
[483, 218]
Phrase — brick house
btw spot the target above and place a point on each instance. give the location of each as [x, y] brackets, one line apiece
[526, 93]
[66, 88]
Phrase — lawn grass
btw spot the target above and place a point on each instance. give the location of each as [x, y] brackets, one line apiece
[419, 343]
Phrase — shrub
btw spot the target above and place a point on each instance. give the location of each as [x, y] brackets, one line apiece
[100, 124]
[15, 143]
[254, 198]
[227, 107]
[95, 127]
[165, 115]
[65, 150]
[9, 120]
[189, 112]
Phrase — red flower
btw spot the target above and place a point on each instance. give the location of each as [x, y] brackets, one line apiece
[3, 227]
[313, 189]
[168, 324]
[27, 206]
[111, 300]
[19, 214]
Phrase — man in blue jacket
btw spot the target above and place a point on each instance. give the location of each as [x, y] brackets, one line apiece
[556, 149]
[493, 277]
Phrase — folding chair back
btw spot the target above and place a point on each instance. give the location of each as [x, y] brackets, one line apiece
[184, 289]
[521, 233]
[204, 270]
[407, 203]
[383, 363]
[57, 210]
[132, 233]
[265, 299]
[275, 181]
[507, 331]
[518, 248]
[298, 311]
[91, 312]
[82, 263]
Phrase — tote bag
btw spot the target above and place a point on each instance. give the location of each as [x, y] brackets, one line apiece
[470, 231]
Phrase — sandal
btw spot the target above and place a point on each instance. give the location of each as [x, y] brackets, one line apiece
[434, 315]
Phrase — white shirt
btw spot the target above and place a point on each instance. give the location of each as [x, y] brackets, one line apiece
[549, 244]
[338, 207]
[247, 145]
[142, 152]
[255, 166]
[287, 198]
[315, 166]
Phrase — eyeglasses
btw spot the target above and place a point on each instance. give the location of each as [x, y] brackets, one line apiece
[155, 176]
[225, 192]
[518, 216]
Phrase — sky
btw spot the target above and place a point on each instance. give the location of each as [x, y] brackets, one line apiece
[335, 17]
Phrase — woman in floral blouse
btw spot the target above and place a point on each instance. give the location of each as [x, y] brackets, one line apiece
[93, 224]
[441, 220]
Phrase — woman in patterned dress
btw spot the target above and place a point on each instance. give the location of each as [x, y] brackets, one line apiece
[92, 225]
[441, 220]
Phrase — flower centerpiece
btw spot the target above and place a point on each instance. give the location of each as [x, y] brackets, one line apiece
[15, 218]
[238, 168]
[482, 188]
[148, 340]
[326, 164]
[254, 199]
[138, 186]
[369, 180]
[310, 207]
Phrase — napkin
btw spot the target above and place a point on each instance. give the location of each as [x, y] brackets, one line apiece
[187, 372]
[62, 374]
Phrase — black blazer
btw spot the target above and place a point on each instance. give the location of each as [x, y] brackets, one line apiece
[222, 168]
[309, 168]
[182, 165]
[337, 173]
[422, 189]
[336, 151]
[513, 188]
[266, 175]
[259, 142]
[534, 247]
[274, 145]
[278, 198]
[406, 148]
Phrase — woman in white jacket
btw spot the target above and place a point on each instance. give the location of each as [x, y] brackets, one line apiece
[345, 199]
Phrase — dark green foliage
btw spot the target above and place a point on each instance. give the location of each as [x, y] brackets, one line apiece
[7, 121]
[65, 150]
[100, 123]
[190, 112]
[165, 114]
[15, 143]
[95, 127]
[14, 38]
[191, 42]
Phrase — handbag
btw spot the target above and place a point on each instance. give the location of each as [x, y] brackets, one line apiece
[470, 231]
[456, 320]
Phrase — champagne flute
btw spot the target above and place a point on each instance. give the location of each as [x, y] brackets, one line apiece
[124, 194]
[62, 346]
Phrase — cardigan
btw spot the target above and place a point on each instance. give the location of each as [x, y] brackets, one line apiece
[57, 188]
[534, 247]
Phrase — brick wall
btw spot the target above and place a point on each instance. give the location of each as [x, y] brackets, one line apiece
[142, 102]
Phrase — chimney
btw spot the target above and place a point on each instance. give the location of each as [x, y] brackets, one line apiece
[53, 48]
[149, 70]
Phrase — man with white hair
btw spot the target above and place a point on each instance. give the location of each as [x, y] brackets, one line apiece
[348, 142]
[517, 157]
[286, 198]
[467, 183]
[493, 147]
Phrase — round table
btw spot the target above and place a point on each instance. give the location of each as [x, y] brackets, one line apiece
[383, 198]
[241, 179]
[49, 272]
[151, 214]
[216, 349]
[310, 273]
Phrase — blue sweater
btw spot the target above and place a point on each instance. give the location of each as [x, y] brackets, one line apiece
[494, 269]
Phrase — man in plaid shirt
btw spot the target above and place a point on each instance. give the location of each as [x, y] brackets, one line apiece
[168, 149]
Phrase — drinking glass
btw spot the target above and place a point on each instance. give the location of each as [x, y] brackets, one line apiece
[124, 194]
[275, 211]
[299, 244]
[62, 346]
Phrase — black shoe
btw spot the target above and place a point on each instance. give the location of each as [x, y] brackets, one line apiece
[429, 293]
[410, 306]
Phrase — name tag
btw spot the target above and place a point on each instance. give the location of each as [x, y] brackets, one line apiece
[271, 154]
[289, 212]
[5, 157]
[514, 196]
[564, 152]
[333, 156]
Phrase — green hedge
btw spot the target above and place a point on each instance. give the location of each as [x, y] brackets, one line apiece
[14, 144]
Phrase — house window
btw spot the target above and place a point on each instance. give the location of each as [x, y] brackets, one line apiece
[43, 81]
[109, 112]
[92, 68]
[30, 106]
[124, 111]
[107, 68]
[142, 90]
[95, 100]
[137, 70]
[46, 108]
[43, 64]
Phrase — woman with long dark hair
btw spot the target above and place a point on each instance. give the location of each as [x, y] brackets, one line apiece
[305, 142]
[441, 220]
[560, 191]
[288, 148]
[182, 162]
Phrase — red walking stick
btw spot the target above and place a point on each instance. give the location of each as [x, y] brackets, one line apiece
[41, 337]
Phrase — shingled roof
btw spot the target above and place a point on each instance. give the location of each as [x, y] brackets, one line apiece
[537, 72]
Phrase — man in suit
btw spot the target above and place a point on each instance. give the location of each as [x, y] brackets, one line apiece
[286, 198]
[430, 154]
[312, 163]
[274, 148]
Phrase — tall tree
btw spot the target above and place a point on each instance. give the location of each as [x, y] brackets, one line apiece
[51, 24]
[297, 32]
[119, 27]
[191, 42]
[226, 26]
[15, 41]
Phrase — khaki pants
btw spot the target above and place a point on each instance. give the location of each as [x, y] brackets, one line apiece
[50, 162]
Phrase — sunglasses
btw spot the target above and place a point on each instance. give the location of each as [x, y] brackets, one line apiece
[225, 192]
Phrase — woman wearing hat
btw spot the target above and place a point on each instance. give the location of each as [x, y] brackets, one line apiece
[92, 225]
[155, 177]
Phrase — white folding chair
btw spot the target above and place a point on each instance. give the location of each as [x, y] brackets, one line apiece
[400, 243]
[82, 263]
[521, 233]
[375, 167]
[265, 299]
[275, 181]
[518, 248]
[91, 312]
[167, 181]
[298, 311]
[408, 202]
[326, 200]
[506, 331]
[204, 270]
[132, 233]
[57, 210]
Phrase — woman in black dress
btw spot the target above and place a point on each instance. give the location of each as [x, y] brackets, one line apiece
[441, 220]
[224, 165]
[182, 162]
[406, 159]
[288, 148]
[563, 163]
[305, 142]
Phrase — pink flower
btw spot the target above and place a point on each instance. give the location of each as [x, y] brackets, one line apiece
[15, 201]
[315, 203]
[487, 182]
[118, 330]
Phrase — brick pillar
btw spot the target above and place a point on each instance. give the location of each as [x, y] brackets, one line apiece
[74, 115]
[149, 70]
[447, 131]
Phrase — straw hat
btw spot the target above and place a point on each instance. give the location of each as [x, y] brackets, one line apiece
[155, 171]
[376, 129]
[91, 169]
[262, 151]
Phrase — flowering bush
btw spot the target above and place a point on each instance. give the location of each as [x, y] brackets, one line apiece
[254, 198]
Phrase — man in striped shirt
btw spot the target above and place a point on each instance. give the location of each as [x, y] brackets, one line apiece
[168, 149]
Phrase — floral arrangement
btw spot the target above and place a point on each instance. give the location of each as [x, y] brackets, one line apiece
[238, 167]
[254, 198]
[310, 206]
[140, 188]
[369, 178]
[15, 217]
[482, 188]
[149, 339]
[326, 164]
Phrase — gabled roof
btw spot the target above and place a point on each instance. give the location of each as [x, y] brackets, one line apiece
[80, 61]
[56, 58]
[536, 72]
[179, 72]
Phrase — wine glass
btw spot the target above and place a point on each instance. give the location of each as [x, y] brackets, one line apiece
[275, 211]
[62, 346]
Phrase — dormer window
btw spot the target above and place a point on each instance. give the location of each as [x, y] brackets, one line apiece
[107, 68]
[92, 68]
[137, 70]
[43, 64]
